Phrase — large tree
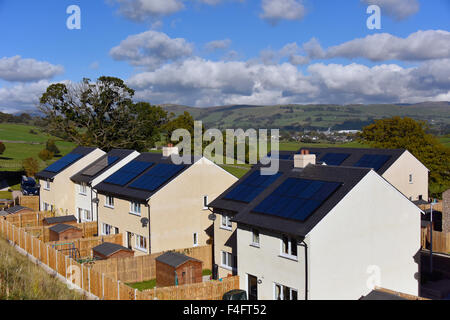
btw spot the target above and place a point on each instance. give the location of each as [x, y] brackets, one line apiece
[101, 114]
[397, 132]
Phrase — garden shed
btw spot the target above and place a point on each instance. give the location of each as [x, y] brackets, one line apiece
[64, 232]
[108, 250]
[173, 268]
[51, 221]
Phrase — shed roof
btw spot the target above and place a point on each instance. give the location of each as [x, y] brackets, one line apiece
[61, 227]
[16, 209]
[109, 248]
[61, 219]
[381, 295]
[174, 259]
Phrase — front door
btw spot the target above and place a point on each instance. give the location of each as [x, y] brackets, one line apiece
[252, 287]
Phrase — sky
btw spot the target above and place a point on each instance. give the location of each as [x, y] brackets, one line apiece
[219, 52]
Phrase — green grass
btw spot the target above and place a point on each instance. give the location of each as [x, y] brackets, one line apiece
[20, 279]
[5, 195]
[445, 140]
[21, 132]
[237, 171]
[206, 272]
[144, 285]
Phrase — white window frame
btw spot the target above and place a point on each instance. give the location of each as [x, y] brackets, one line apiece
[291, 290]
[195, 238]
[106, 229]
[411, 180]
[87, 215]
[228, 260]
[47, 185]
[205, 205]
[225, 223]
[253, 243]
[82, 189]
[133, 206]
[46, 206]
[107, 203]
[138, 243]
[289, 254]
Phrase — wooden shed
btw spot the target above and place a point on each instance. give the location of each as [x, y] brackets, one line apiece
[64, 232]
[108, 250]
[18, 209]
[51, 221]
[174, 268]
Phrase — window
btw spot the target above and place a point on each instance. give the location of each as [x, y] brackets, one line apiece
[288, 247]
[141, 243]
[83, 188]
[195, 239]
[205, 202]
[109, 201]
[255, 237]
[116, 230]
[226, 223]
[87, 215]
[46, 206]
[135, 208]
[284, 293]
[227, 260]
[47, 185]
[106, 229]
[410, 178]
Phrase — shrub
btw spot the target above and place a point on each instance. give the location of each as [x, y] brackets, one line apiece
[51, 146]
[31, 166]
[32, 131]
[45, 155]
[2, 147]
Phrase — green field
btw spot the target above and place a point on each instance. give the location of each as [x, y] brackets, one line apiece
[445, 140]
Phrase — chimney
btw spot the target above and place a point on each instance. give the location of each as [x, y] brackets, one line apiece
[303, 159]
[169, 150]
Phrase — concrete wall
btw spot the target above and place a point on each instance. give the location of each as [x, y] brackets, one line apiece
[62, 190]
[398, 176]
[374, 232]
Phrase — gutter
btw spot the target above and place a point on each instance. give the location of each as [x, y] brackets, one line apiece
[149, 246]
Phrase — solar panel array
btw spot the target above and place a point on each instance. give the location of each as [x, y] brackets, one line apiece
[297, 198]
[282, 156]
[100, 165]
[375, 161]
[251, 187]
[334, 159]
[128, 172]
[156, 176]
[63, 163]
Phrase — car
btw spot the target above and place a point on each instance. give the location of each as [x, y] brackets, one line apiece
[29, 187]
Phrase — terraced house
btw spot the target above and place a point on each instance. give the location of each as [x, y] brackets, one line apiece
[158, 205]
[318, 231]
[85, 196]
[57, 191]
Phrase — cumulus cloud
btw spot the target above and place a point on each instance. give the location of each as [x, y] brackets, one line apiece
[218, 45]
[22, 96]
[421, 45]
[151, 49]
[274, 11]
[140, 10]
[25, 70]
[201, 82]
[398, 9]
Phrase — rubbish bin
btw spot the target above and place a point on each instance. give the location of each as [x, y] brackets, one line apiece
[235, 294]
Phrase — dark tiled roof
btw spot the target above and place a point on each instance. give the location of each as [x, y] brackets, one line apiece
[381, 295]
[16, 209]
[108, 248]
[347, 176]
[60, 219]
[78, 150]
[82, 177]
[62, 227]
[174, 259]
[126, 192]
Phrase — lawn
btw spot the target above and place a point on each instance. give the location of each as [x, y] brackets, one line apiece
[445, 140]
[144, 285]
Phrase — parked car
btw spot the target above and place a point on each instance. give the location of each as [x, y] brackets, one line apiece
[29, 187]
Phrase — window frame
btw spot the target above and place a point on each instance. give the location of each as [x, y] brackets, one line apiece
[411, 179]
[282, 289]
[137, 243]
[227, 220]
[289, 254]
[136, 213]
[195, 238]
[253, 243]
[229, 259]
[107, 203]
[82, 189]
[47, 185]
[106, 227]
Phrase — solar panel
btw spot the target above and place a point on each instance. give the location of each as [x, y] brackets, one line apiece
[297, 198]
[282, 156]
[63, 163]
[251, 187]
[156, 176]
[128, 172]
[334, 159]
[375, 161]
[100, 165]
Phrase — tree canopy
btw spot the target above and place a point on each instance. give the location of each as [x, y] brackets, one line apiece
[406, 133]
[102, 114]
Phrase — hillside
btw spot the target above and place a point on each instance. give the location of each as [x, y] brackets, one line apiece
[321, 117]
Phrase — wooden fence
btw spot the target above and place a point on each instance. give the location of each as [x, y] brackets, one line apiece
[85, 245]
[441, 240]
[89, 229]
[31, 202]
[28, 219]
[143, 268]
[99, 284]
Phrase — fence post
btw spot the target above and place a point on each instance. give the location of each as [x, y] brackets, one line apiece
[48, 262]
[82, 277]
[65, 262]
[56, 261]
[135, 290]
[103, 286]
[89, 280]
[118, 290]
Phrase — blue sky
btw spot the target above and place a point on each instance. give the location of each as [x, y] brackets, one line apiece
[216, 52]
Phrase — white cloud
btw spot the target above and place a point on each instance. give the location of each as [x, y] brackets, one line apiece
[218, 45]
[151, 49]
[398, 9]
[276, 10]
[22, 96]
[140, 10]
[421, 45]
[25, 70]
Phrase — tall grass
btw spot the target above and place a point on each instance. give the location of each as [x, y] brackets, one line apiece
[21, 279]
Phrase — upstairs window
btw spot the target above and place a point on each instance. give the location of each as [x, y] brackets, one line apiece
[289, 247]
[109, 202]
[47, 185]
[135, 208]
[225, 222]
[255, 237]
[83, 188]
